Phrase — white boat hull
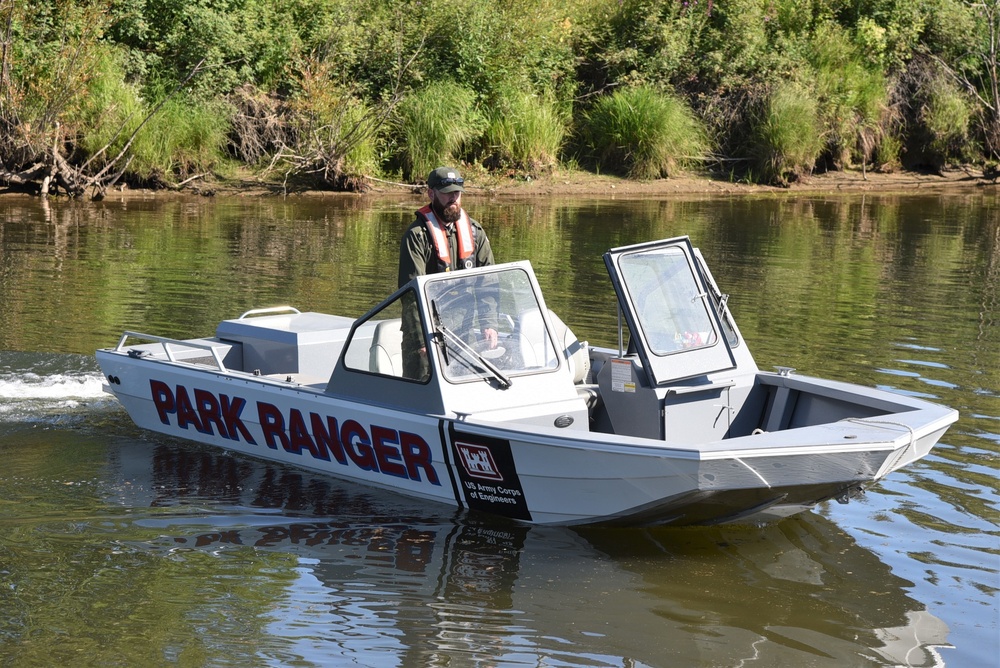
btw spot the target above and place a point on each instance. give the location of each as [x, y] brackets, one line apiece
[684, 430]
[543, 476]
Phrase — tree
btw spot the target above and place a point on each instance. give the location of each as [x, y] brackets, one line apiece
[977, 70]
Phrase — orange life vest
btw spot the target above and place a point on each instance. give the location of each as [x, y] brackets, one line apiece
[439, 236]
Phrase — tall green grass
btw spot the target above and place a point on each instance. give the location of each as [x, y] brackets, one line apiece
[785, 137]
[436, 123]
[947, 120]
[182, 137]
[110, 109]
[643, 133]
[524, 132]
[853, 97]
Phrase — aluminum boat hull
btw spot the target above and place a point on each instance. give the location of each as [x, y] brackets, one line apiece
[590, 436]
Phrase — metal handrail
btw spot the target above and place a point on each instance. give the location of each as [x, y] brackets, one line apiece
[165, 342]
[270, 309]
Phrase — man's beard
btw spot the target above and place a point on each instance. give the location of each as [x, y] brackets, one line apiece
[448, 214]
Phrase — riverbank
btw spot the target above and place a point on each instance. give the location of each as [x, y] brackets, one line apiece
[586, 184]
[564, 183]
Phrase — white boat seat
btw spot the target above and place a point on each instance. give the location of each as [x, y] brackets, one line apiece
[386, 352]
[566, 342]
[576, 350]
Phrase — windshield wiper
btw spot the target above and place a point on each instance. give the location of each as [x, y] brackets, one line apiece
[445, 336]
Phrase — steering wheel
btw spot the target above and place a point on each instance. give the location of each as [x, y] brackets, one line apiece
[483, 348]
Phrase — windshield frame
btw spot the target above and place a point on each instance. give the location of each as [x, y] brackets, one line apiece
[525, 343]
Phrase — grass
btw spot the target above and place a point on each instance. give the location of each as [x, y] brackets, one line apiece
[435, 124]
[525, 132]
[853, 97]
[786, 138]
[643, 133]
[947, 119]
[183, 137]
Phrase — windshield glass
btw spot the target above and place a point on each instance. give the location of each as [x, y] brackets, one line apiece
[489, 320]
[671, 312]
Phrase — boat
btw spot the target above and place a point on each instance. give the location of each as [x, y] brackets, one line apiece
[464, 388]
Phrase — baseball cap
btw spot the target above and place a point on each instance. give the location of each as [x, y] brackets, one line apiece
[445, 180]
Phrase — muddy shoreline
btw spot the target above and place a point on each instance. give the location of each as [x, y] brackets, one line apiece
[584, 184]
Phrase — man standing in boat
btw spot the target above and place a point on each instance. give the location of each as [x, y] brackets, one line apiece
[442, 238]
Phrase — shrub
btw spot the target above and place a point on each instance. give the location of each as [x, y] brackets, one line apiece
[643, 133]
[852, 97]
[785, 138]
[50, 53]
[947, 119]
[435, 124]
[524, 132]
[183, 137]
[936, 116]
[489, 46]
[336, 133]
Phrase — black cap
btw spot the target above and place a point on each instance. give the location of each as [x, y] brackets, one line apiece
[445, 180]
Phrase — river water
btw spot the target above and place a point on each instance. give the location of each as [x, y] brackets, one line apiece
[119, 547]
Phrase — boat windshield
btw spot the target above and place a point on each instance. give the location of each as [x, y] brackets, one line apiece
[467, 308]
[667, 303]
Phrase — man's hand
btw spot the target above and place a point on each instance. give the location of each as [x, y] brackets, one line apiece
[491, 336]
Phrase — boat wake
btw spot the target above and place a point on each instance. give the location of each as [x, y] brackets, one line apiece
[38, 387]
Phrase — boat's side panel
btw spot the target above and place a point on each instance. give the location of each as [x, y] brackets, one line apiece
[286, 423]
[537, 474]
[576, 478]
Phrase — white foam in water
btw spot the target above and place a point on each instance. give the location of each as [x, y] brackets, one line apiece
[59, 386]
[58, 391]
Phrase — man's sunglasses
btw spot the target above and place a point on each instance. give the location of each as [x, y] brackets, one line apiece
[451, 182]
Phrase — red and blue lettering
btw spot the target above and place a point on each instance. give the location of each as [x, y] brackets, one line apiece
[206, 410]
[395, 453]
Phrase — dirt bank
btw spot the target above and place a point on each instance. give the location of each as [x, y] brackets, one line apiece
[845, 181]
[583, 184]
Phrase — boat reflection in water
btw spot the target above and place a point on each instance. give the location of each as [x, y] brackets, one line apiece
[348, 573]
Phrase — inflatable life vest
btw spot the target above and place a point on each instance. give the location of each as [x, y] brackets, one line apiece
[439, 236]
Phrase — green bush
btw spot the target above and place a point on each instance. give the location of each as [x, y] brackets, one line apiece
[336, 139]
[936, 117]
[182, 138]
[785, 136]
[642, 133]
[490, 46]
[53, 54]
[110, 109]
[852, 97]
[436, 124]
[946, 119]
[524, 132]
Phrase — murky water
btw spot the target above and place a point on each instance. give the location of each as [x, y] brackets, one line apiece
[119, 547]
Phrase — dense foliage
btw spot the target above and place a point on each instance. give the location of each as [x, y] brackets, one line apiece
[332, 92]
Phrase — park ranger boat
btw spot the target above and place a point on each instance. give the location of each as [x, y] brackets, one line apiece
[677, 425]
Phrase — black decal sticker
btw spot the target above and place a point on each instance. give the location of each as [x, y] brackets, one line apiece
[487, 475]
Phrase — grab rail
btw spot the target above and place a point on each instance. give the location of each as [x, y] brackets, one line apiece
[166, 342]
[270, 309]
